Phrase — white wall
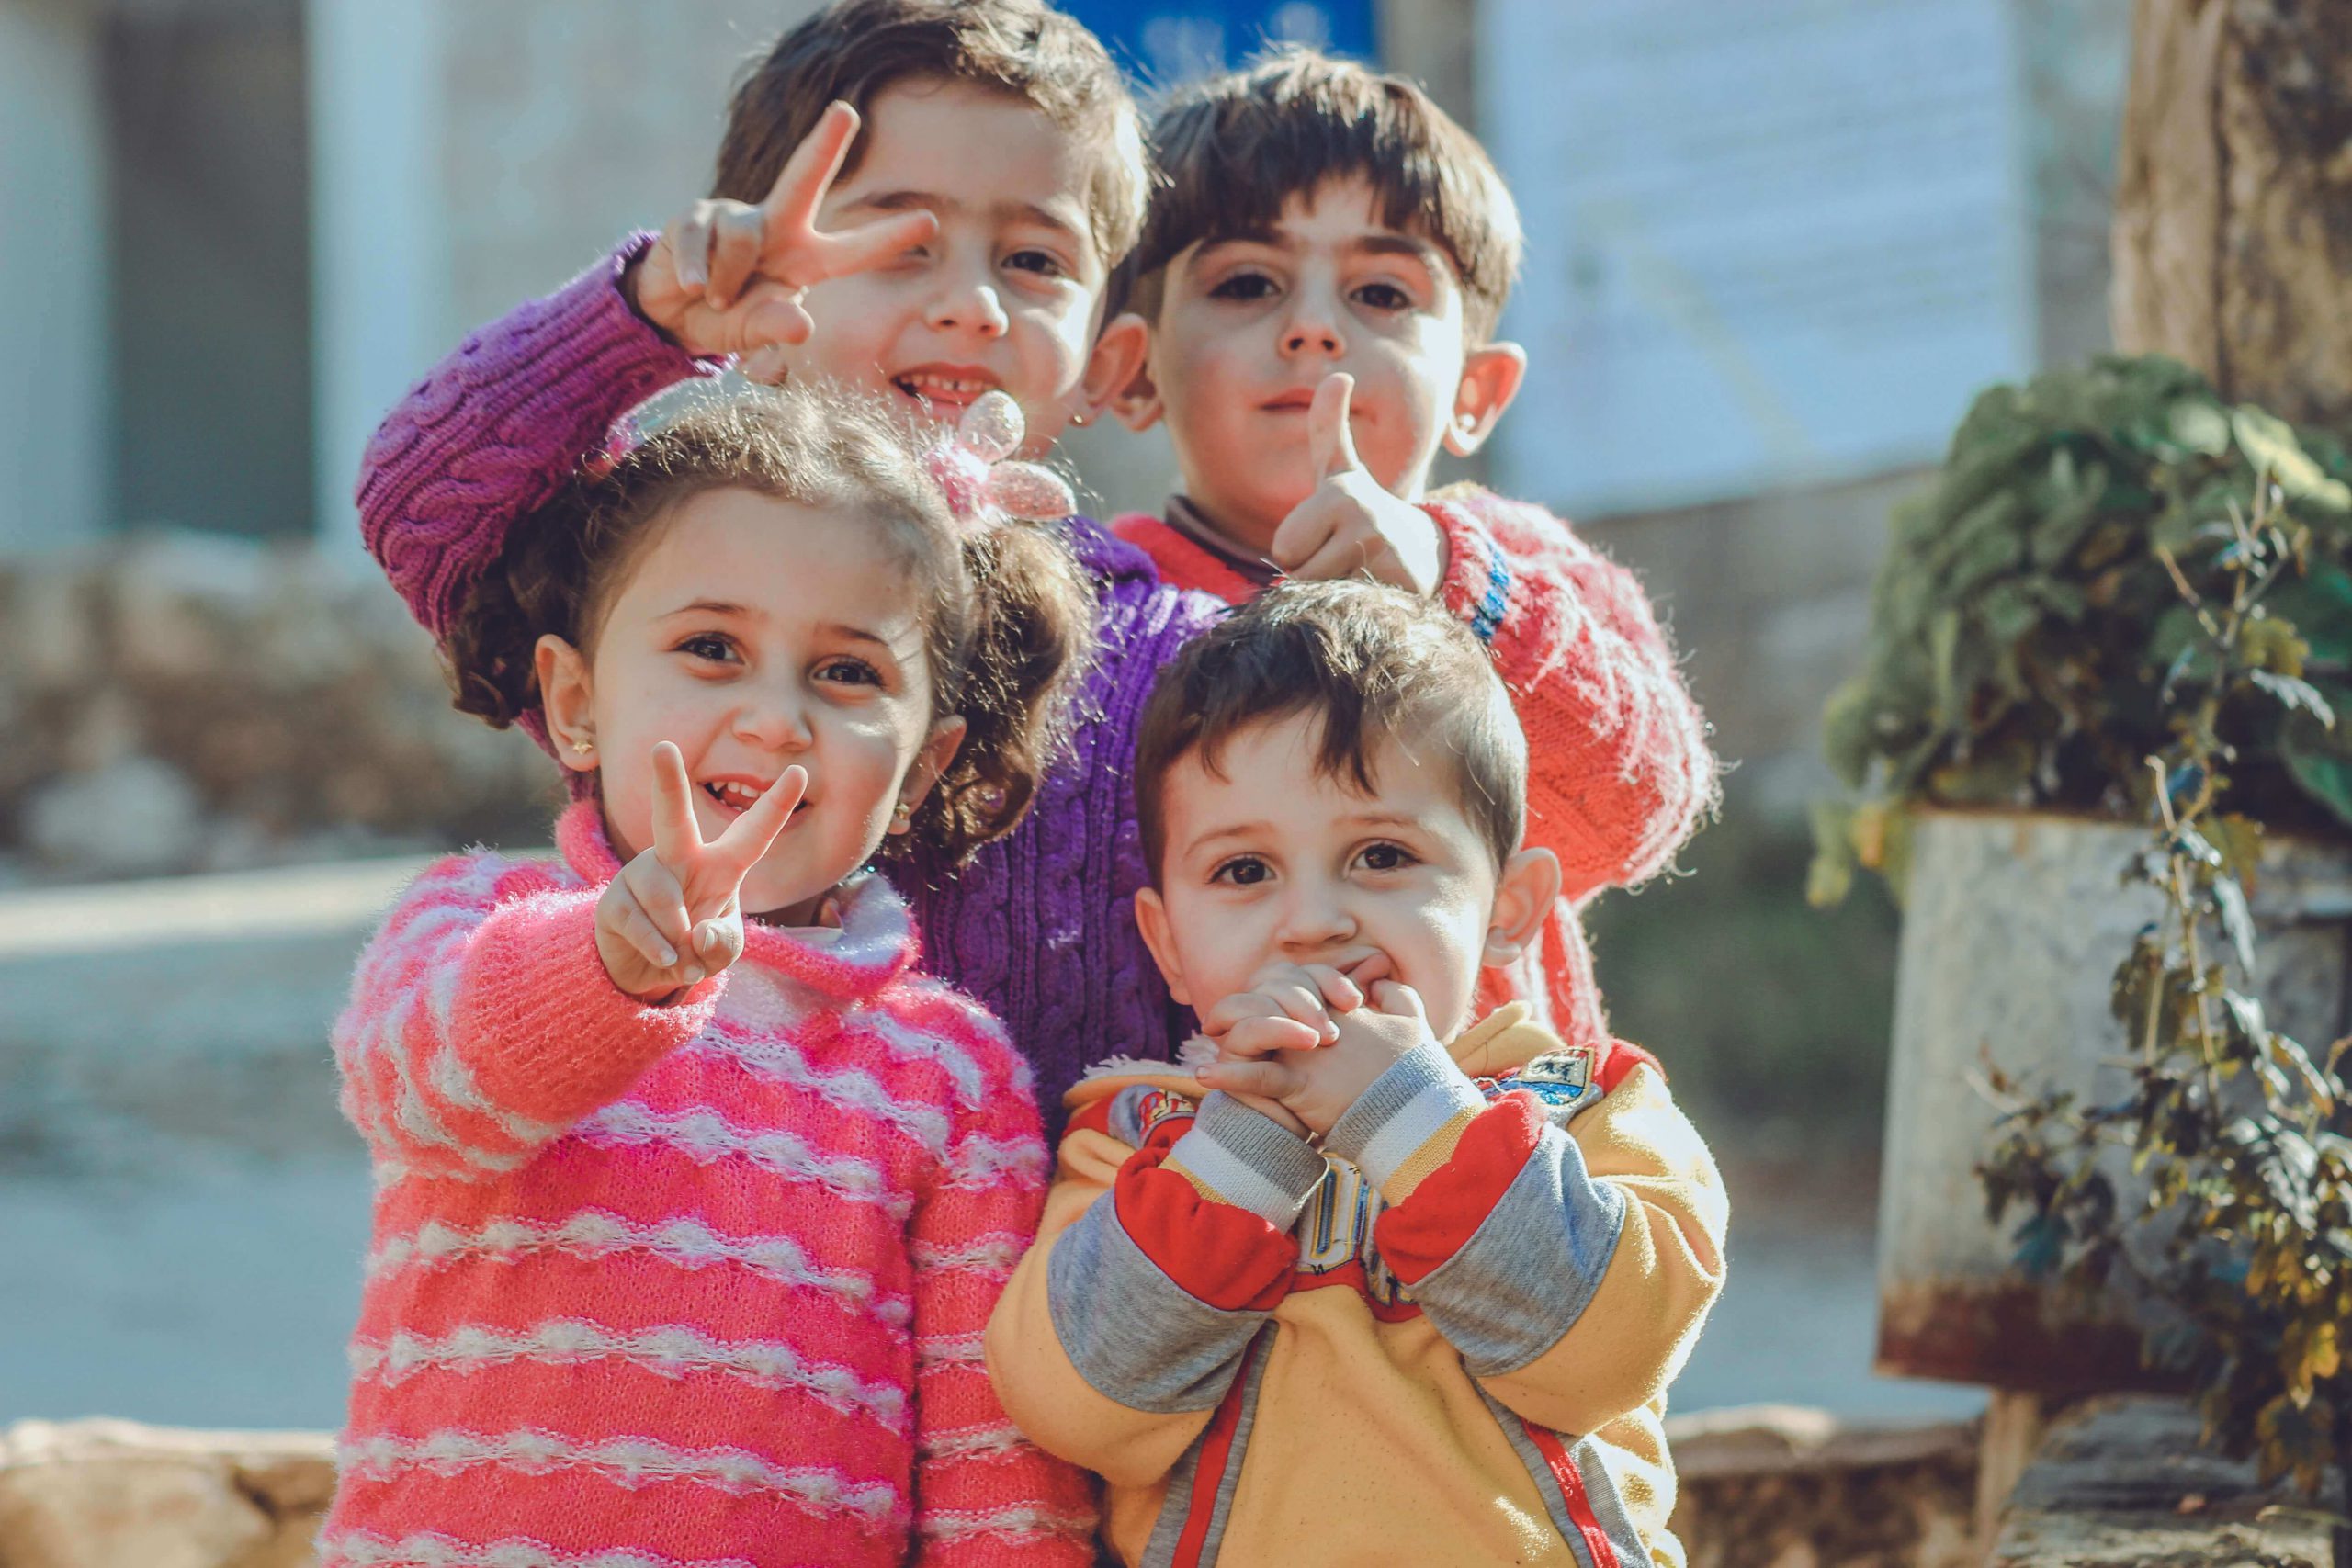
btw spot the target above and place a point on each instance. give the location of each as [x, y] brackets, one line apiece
[55, 349]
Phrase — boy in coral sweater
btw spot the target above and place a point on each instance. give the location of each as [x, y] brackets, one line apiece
[1389, 1280]
[1321, 275]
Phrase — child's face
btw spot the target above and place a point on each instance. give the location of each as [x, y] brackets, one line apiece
[755, 634]
[1278, 861]
[1005, 296]
[1249, 327]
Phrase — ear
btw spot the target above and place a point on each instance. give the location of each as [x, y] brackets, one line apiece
[567, 697]
[1138, 403]
[1528, 888]
[1120, 350]
[938, 750]
[1490, 379]
[1151, 919]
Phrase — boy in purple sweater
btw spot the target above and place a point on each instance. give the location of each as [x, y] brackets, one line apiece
[1002, 148]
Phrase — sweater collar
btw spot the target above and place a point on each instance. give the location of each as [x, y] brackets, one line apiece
[875, 943]
[1183, 561]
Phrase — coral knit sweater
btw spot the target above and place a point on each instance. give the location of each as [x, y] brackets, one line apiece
[1619, 771]
[695, 1284]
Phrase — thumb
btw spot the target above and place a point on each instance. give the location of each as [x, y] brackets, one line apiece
[1330, 444]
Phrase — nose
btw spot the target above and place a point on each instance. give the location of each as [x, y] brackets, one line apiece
[1312, 328]
[966, 301]
[1314, 919]
[774, 719]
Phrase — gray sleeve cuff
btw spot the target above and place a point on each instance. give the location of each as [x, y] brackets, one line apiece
[1252, 1161]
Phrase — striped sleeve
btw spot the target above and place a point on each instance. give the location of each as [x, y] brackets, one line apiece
[1572, 1272]
[984, 1494]
[481, 1022]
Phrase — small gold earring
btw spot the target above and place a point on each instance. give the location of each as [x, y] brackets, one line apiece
[584, 747]
[902, 815]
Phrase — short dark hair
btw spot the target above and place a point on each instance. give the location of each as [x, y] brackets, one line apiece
[1007, 613]
[852, 50]
[1231, 150]
[1369, 663]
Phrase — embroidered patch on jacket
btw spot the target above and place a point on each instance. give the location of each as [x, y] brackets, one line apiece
[1139, 1108]
[1556, 1077]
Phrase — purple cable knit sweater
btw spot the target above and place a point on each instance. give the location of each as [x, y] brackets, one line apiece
[1040, 925]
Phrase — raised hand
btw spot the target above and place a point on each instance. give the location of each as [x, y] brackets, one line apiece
[1349, 524]
[1315, 1087]
[675, 914]
[727, 276]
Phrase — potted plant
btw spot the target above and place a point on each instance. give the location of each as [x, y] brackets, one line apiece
[2106, 966]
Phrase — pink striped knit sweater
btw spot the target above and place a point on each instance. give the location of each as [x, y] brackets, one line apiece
[697, 1284]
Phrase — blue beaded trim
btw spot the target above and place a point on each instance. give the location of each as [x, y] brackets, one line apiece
[1488, 615]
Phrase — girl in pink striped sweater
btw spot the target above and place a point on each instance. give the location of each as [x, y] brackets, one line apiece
[693, 1194]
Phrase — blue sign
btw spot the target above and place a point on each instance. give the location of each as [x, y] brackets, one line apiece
[1165, 41]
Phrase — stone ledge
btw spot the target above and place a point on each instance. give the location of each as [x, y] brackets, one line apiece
[1767, 1485]
[2126, 1482]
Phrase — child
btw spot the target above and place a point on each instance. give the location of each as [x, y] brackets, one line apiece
[1039, 927]
[998, 115]
[1322, 272]
[1445, 1337]
[693, 1195]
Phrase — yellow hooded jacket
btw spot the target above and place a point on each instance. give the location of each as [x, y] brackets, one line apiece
[1445, 1338]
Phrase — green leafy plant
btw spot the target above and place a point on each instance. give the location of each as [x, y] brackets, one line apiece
[2027, 629]
[2241, 1220]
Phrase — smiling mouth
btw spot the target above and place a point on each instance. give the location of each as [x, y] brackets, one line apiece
[734, 797]
[940, 389]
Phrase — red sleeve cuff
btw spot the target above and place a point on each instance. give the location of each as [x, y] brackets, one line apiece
[1446, 1210]
[1222, 1256]
[1476, 585]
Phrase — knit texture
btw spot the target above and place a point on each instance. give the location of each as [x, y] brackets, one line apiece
[1040, 927]
[1618, 773]
[690, 1284]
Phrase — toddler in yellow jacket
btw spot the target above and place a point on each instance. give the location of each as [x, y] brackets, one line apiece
[1366, 1281]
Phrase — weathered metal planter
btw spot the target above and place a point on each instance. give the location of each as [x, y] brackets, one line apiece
[2013, 926]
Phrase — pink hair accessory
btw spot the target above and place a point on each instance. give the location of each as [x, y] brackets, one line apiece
[619, 442]
[982, 479]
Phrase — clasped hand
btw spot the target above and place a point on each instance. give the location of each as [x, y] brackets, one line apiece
[1306, 1040]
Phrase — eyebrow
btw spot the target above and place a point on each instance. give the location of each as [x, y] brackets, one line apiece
[841, 630]
[933, 201]
[1379, 242]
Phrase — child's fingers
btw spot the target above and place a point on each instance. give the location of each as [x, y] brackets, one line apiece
[630, 923]
[688, 237]
[1309, 528]
[800, 185]
[1368, 972]
[774, 315]
[736, 234]
[1255, 1037]
[1234, 1009]
[1350, 548]
[1331, 444]
[1270, 1080]
[660, 898]
[1396, 999]
[870, 244]
[677, 838]
[768, 364]
[718, 943]
[1338, 990]
[749, 836]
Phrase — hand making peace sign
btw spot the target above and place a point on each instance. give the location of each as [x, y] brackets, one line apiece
[675, 912]
[727, 276]
[1350, 524]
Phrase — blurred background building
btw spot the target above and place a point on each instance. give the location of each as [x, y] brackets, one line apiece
[1774, 246]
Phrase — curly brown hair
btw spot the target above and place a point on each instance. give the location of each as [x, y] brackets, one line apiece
[1006, 611]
